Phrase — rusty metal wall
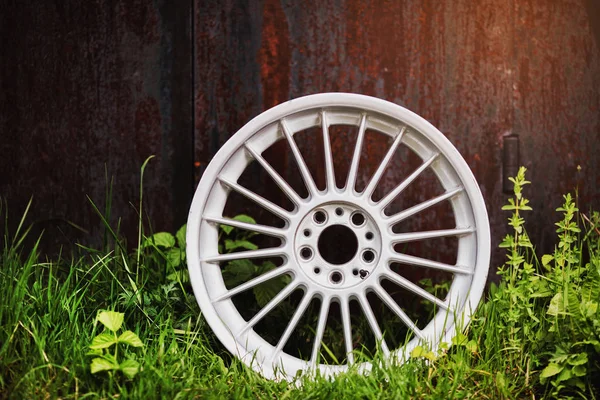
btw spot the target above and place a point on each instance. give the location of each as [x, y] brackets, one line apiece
[89, 89]
[477, 69]
[99, 86]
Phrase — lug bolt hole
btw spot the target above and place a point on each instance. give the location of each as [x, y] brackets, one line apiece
[336, 277]
[369, 235]
[355, 272]
[307, 232]
[306, 253]
[339, 212]
[368, 256]
[358, 219]
[317, 270]
[320, 217]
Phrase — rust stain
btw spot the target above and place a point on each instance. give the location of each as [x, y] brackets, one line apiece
[274, 55]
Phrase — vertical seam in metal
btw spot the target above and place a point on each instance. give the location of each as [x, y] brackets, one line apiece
[192, 39]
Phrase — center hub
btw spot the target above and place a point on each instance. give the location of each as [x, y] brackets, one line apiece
[337, 244]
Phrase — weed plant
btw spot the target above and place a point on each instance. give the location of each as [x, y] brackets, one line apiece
[536, 335]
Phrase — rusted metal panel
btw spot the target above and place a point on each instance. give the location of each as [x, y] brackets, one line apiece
[557, 105]
[111, 83]
[88, 89]
[478, 70]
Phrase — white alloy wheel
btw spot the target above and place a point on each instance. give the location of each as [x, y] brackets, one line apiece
[352, 214]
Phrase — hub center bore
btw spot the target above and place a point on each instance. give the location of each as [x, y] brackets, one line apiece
[337, 244]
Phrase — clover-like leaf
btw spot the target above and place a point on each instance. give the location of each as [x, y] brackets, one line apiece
[112, 320]
[245, 218]
[103, 341]
[546, 258]
[419, 352]
[180, 235]
[130, 368]
[175, 256]
[130, 338]
[106, 363]
[161, 239]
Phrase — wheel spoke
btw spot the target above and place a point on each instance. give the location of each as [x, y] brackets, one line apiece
[408, 285]
[373, 323]
[306, 176]
[329, 172]
[292, 324]
[258, 199]
[270, 252]
[320, 331]
[274, 273]
[266, 230]
[283, 185]
[402, 215]
[387, 299]
[345, 309]
[415, 236]
[351, 180]
[269, 307]
[383, 203]
[423, 262]
[368, 192]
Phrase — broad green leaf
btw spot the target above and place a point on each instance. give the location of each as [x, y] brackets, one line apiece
[267, 290]
[103, 341]
[564, 375]
[112, 320]
[94, 352]
[579, 359]
[174, 256]
[471, 346]
[419, 352]
[179, 276]
[130, 368]
[244, 218]
[239, 244]
[238, 271]
[131, 339]
[266, 267]
[161, 239]
[226, 228]
[459, 340]
[106, 363]
[180, 235]
[551, 370]
[589, 309]
[546, 258]
[579, 370]
[557, 305]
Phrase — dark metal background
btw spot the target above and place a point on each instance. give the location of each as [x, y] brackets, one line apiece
[99, 84]
[94, 87]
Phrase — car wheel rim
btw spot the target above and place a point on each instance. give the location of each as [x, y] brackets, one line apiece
[315, 221]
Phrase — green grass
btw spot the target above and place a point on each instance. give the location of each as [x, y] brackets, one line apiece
[542, 320]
